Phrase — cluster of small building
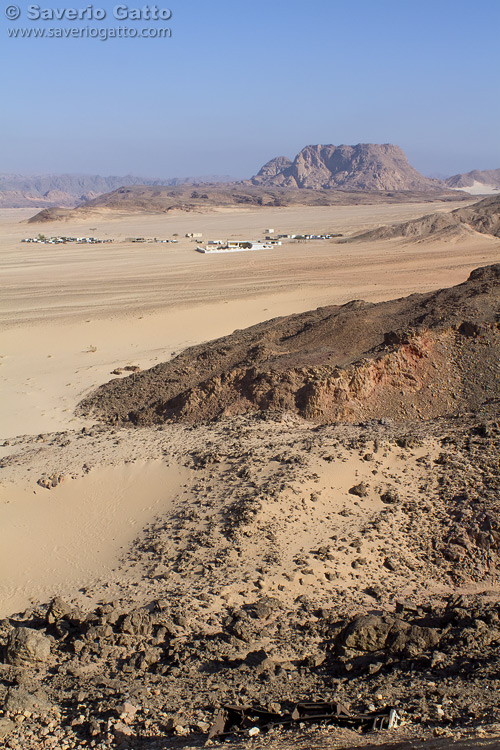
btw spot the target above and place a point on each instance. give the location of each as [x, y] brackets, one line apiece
[271, 240]
[306, 236]
[236, 246]
[213, 246]
[147, 239]
[64, 240]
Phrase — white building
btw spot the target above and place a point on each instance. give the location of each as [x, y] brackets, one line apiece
[236, 246]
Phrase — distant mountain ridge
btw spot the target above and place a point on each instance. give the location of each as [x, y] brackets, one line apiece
[366, 166]
[68, 190]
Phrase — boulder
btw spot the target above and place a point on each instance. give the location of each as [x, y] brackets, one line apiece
[420, 639]
[20, 699]
[367, 633]
[266, 606]
[137, 623]
[360, 490]
[27, 645]
[6, 727]
[60, 610]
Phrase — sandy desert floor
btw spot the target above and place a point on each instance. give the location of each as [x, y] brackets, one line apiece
[71, 314]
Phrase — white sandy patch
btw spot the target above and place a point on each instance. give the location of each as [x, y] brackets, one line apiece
[479, 188]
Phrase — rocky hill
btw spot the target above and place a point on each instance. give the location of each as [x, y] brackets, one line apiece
[477, 181]
[482, 217]
[421, 356]
[20, 191]
[162, 199]
[366, 166]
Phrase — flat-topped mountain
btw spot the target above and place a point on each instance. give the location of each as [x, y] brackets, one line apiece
[367, 166]
[482, 217]
[416, 357]
[476, 182]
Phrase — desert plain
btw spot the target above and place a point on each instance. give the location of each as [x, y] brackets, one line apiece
[96, 515]
[72, 313]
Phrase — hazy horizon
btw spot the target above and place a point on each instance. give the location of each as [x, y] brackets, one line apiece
[234, 87]
[201, 177]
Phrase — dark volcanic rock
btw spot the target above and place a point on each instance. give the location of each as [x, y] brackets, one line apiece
[155, 691]
[360, 490]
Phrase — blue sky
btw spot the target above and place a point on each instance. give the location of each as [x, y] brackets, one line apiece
[240, 82]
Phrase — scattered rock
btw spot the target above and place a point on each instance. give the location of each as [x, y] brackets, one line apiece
[360, 490]
[49, 482]
[390, 497]
[266, 606]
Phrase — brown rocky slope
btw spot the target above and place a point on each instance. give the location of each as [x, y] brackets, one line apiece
[422, 356]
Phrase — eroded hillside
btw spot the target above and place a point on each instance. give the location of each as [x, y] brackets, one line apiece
[421, 356]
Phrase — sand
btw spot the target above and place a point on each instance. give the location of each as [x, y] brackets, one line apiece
[219, 515]
[71, 314]
[60, 540]
[83, 539]
[479, 188]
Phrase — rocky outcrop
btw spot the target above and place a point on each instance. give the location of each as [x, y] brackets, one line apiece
[275, 166]
[366, 166]
[51, 214]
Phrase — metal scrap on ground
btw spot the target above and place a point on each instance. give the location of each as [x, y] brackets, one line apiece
[234, 719]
